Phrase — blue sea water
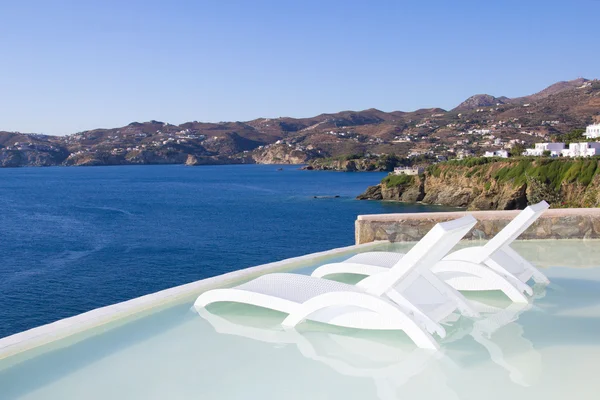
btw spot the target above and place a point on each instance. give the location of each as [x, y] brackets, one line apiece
[74, 239]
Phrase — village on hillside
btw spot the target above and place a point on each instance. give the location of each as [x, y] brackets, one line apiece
[549, 123]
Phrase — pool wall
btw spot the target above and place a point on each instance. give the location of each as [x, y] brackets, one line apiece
[64, 328]
[558, 223]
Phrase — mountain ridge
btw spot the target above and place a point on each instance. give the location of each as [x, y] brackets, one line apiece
[487, 100]
[553, 111]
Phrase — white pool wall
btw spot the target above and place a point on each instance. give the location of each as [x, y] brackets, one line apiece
[61, 329]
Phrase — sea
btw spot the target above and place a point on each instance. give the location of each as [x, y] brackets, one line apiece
[74, 239]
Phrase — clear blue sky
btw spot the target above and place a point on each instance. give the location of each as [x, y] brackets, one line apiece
[67, 66]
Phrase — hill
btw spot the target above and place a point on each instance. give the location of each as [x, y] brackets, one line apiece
[478, 101]
[480, 123]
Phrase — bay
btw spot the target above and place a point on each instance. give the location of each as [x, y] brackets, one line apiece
[74, 239]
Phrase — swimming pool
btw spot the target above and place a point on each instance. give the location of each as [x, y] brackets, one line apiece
[548, 350]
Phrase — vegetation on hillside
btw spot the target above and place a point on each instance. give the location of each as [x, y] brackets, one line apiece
[517, 150]
[552, 172]
[398, 180]
[500, 183]
[436, 169]
[576, 135]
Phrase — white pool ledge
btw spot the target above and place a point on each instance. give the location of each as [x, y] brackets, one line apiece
[35, 337]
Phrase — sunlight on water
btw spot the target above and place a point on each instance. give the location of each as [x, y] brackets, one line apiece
[546, 350]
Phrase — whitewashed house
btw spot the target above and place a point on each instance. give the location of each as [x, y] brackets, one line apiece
[496, 153]
[592, 131]
[582, 149]
[408, 170]
[555, 149]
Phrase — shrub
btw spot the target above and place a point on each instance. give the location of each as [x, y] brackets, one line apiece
[434, 170]
[588, 170]
[575, 135]
[397, 180]
[517, 150]
[551, 172]
[348, 157]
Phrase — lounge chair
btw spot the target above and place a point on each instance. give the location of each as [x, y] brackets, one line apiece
[408, 296]
[494, 266]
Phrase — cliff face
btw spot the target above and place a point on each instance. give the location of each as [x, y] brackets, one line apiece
[193, 160]
[501, 185]
[354, 164]
[27, 158]
[281, 154]
[409, 192]
[134, 157]
[460, 189]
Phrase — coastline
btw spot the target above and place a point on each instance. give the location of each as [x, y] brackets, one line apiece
[497, 184]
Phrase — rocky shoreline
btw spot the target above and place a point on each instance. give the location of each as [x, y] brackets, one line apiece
[62, 157]
[352, 165]
[502, 185]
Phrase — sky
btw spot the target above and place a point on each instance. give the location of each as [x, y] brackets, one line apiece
[69, 66]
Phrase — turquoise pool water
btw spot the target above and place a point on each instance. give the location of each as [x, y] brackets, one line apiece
[549, 350]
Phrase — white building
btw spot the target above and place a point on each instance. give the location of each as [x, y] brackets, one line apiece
[497, 153]
[555, 149]
[408, 170]
[592, 131]
[582, 149]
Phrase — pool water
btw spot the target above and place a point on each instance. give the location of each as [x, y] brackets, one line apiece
[547, 350]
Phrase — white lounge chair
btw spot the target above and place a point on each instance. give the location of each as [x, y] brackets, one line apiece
[406, 297]
[494, 266]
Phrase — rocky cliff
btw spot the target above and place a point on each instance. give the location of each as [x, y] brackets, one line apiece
[354, 163]
[343, 165]
[409, 189]
[482, 184]
[282, 154]
[31, 158]
[193, 160]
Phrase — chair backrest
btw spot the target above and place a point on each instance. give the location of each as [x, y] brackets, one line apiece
[423, 255]
[514, 229]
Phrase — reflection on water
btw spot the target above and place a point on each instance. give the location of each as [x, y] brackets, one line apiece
[561, 253]
[546, 350]
[544, 253]
[389, 360]
[502, 337]
[389, 363]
